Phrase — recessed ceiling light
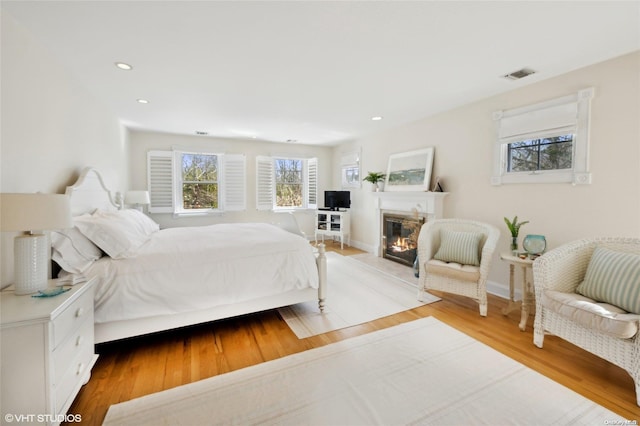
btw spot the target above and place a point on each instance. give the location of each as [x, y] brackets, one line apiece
[376, 118]
[124, 66]
[142, 101]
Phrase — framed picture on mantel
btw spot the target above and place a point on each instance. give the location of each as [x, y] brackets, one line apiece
[410, 171]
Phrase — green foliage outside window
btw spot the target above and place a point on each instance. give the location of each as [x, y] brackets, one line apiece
[199, 181]
[289, 183]
[554, 153]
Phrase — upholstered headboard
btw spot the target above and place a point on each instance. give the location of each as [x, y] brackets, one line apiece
[89, 193]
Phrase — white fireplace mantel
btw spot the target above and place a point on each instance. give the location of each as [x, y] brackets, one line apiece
[429, 205]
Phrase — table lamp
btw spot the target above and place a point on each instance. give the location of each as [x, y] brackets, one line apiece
[137, 199]
[33, 213]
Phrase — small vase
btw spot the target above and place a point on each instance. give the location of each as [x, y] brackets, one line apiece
[514, 245]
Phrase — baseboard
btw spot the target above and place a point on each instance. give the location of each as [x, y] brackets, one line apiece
[502, 290]
[362, 246]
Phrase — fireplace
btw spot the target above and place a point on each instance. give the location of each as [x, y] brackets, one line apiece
[407, 205]
[400, 237]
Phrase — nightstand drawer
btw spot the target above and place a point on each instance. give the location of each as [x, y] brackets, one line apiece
[73, 378]
[78, 342]
[72, 317]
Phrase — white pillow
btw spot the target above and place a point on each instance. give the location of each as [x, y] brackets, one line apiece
[118, 233]
[73, 251]
[137, 219]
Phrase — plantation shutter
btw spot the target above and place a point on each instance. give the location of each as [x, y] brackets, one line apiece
[312, 183]
[160, 181]
[235, 185]
[265, 187]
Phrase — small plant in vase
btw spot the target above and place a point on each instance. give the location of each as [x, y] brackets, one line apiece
[514, 228]
[374, 178]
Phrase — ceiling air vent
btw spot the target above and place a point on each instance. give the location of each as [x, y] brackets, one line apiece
[517, 75]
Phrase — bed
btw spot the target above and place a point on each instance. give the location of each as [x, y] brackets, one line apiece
[150, 280]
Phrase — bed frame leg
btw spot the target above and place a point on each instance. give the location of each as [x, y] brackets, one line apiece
[321, 261]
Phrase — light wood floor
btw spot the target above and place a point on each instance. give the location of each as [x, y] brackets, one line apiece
[137, 367]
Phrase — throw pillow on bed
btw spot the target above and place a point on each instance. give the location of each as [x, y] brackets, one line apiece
[119, 233]
[459, 247]
[140, 221]
[73, 251]
[613, 277]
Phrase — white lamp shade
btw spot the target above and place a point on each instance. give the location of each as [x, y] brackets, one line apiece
[28, 212]
[137, 197]
[31, 212]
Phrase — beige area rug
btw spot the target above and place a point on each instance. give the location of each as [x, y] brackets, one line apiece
[421, 372]
[357, 292]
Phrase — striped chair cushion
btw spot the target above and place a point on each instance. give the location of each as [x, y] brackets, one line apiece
[613, 277]
[459, 247]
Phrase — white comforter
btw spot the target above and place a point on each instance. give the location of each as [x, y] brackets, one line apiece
[188, 269]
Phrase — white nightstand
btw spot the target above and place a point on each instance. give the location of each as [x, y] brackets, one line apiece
[47, 352]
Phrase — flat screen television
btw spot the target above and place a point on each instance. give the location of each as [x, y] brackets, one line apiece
[336, 200]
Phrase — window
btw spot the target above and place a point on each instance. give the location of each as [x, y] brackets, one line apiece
[350, 164]
[198, 182]
[182, 182]
[289, 182]
[546, 142]
[286, 183]
[532, 155]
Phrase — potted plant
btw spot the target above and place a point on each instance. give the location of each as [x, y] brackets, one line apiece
[374, 178]
[514, 228]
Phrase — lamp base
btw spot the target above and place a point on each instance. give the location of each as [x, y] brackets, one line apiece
[30, 263]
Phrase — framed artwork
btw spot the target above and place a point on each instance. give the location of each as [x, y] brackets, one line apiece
[410, 171]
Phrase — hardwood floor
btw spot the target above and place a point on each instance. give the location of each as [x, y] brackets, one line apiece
[132, 368]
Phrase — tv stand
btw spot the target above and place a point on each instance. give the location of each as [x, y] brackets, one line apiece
[334, 224]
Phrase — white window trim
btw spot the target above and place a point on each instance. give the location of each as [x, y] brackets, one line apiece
[166, 166]
[349, 161]
[266, 185]
[579, 126]
[178, 202]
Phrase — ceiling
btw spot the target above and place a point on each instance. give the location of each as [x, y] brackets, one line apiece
[316, 72]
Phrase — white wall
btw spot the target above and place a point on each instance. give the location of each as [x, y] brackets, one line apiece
[464, 138]
[51, 127]
[143, 142]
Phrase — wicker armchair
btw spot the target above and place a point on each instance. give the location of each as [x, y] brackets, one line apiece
[451, 277]
[580, 320]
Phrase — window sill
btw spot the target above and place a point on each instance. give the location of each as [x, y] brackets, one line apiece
[292, 209]
[197, 214]
[543, 177]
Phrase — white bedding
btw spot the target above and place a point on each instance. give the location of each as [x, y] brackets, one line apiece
[187, 269]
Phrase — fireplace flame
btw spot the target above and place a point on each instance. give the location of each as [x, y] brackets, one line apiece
[401, 244]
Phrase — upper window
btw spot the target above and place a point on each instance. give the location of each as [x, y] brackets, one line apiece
[546, 142]
[532, 155]
[350, 173]
[286, 183]
[183, 183]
